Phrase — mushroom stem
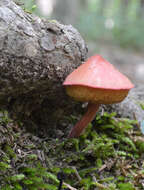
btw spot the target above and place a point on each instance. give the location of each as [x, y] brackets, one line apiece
[85, 120]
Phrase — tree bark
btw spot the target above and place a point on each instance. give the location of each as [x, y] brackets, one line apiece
[35, 57]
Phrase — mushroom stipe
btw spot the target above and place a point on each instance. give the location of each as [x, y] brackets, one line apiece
[78, 129]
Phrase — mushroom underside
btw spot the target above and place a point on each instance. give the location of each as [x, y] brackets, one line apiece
[96, 95]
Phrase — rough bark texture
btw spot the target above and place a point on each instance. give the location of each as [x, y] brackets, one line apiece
[35, 57]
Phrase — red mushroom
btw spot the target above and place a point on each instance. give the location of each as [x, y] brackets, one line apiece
[96, 82]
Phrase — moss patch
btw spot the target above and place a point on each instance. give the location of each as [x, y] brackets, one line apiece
[109, 155]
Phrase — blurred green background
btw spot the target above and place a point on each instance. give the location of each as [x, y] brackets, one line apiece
[120, 22]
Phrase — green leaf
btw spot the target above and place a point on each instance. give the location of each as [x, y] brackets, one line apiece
[50, 187]
[32, 157]
[125, 186]
[27, 182]
[7, 187]
[108, 126]
[51, 176]
[18, 177]
[68, 170]
[36, 179]
[34, 7]
[142, 106]
[4, 166]
[17, 186]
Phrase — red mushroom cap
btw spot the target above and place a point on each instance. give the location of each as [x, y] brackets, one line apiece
[97, 81]
[96, 72]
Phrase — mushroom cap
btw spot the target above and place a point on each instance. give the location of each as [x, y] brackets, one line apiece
[97, 81]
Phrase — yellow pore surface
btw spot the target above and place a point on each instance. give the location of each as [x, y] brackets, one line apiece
[96, 95]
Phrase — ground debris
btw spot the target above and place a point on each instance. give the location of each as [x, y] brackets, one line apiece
[109, 156]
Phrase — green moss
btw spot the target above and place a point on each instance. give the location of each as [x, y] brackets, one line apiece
[142, 105]
[126, 186]
[100, 157]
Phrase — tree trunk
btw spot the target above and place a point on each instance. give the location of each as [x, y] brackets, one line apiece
[35, 57]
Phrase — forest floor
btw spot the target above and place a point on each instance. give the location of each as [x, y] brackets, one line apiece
[108, 156]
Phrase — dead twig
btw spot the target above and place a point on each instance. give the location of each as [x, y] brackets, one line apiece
[76, 173]
[99, 185]
[69, 186]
